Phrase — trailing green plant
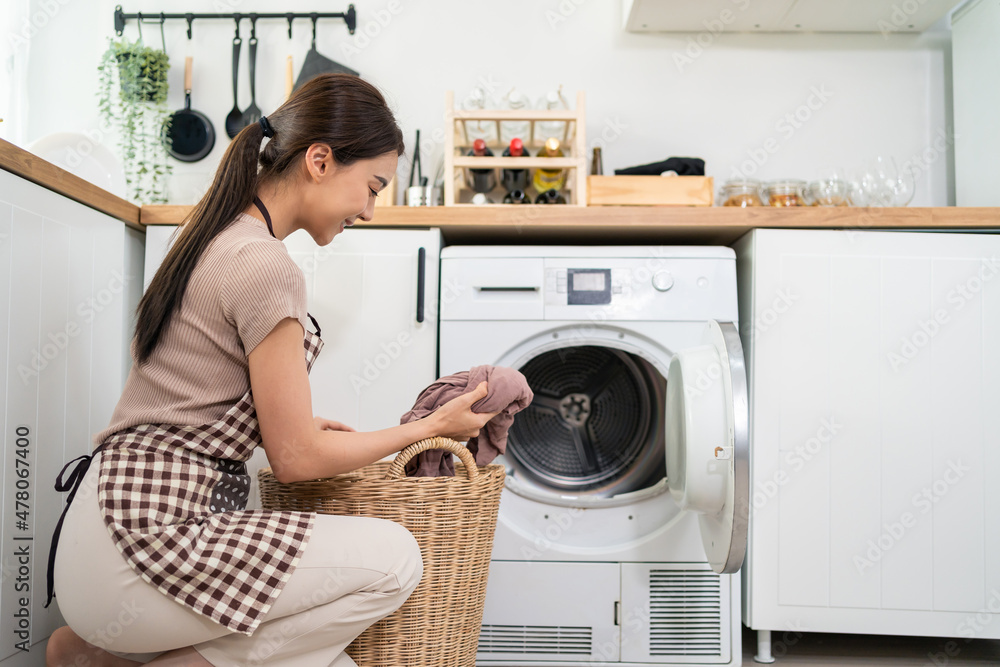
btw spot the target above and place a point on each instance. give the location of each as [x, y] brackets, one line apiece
[132, 98]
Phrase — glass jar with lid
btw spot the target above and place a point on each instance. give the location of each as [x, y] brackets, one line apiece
[741, 192]
[785, 193]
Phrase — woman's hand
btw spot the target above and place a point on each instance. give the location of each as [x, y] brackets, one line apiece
[456, 420]
[327, 425]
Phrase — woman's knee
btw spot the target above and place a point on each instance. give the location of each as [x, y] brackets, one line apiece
[408, 565]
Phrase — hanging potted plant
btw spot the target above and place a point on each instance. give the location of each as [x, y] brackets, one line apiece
[132, 98]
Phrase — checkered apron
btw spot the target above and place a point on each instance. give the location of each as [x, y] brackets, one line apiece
[174, 500]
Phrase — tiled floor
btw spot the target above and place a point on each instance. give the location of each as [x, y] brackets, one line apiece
[812, 649]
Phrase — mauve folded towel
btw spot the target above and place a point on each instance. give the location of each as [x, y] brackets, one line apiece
[506, 391]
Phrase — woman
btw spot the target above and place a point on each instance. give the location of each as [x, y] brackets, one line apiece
[159, 562]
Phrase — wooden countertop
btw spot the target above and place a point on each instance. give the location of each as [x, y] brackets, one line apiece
[33, 168]
[549, 224]
[640, 224]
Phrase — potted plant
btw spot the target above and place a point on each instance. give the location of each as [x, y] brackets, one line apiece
[132, 98]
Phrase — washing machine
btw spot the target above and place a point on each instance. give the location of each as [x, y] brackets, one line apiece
[624, 514]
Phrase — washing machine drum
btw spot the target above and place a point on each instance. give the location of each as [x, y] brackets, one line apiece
[595, 425]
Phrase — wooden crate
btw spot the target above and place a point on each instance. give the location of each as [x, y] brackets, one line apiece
[649, 191]
[457, 145]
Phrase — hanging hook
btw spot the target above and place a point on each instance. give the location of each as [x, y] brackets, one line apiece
[289, 16]
[315, 17]
[163, 39]
[138, 22]
[253, 27]
[237, 17]
[119, 20]
[190, 19]
[351, 19]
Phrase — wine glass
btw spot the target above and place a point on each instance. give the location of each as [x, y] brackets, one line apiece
[903, 186]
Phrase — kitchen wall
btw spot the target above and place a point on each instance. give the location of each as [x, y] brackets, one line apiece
[767, 105]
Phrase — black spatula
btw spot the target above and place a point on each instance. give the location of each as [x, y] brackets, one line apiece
[318, 64]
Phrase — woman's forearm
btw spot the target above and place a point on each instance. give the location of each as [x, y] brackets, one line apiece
[330, 453]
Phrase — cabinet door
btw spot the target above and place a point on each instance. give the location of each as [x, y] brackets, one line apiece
[873, 360]
[71, 276]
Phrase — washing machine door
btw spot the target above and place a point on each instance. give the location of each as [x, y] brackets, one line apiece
[707, 434]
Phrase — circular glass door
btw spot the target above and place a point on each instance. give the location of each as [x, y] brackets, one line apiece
[595, 425]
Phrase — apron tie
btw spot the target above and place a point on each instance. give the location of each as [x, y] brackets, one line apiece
[71, 484]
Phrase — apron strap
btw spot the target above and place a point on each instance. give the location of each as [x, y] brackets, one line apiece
[263, 211]
[71, 484]
[319, 332]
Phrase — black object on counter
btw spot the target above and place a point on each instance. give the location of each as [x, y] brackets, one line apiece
[189, 136]
[550, 197]
[684, 166]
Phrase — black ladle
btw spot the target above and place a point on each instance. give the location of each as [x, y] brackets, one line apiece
[252, 112]
[234, 121]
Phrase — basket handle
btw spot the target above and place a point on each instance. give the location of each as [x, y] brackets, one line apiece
[396, 469]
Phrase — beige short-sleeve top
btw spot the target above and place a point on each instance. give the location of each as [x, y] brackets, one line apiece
[243, 285]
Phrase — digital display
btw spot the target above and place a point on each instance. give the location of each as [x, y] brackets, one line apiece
[588, 282]
[588, 287]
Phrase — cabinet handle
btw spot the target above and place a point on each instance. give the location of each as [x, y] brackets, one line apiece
[421, 266]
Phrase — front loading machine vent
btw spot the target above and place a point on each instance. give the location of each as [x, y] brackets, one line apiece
[686, 613]
[535, 640]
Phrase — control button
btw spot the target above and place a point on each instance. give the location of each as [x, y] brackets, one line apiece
[662, 281]
[703, 282]
[561, 288]
[616, 288]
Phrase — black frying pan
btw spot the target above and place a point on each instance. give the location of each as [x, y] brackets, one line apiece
[190, 136]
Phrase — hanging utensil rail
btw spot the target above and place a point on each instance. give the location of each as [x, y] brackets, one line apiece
[349, 17]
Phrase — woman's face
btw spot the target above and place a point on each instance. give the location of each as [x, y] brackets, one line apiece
[338, 195]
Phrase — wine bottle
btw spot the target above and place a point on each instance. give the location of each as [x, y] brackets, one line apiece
[515, 101]
[550, 197]
[553, 101]
[481, 180]
[516, 197]
[550, 179]
[515, 179]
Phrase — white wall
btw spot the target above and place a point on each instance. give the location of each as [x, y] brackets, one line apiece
[881, 95]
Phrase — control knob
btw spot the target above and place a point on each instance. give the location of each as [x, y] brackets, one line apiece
[662, 281]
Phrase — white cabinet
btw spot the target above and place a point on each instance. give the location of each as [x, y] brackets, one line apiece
[975, 61]
[71, 283]
[872, 364]
[712, 17]
[374, 293]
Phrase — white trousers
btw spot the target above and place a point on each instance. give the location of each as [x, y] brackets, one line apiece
[354, 571]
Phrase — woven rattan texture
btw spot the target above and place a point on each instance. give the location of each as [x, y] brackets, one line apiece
[453, 520]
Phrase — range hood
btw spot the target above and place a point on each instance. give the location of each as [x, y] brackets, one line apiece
[714, 16]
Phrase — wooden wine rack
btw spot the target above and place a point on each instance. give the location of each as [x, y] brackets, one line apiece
[458, 144]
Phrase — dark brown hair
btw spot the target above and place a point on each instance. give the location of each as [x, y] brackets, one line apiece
[342, 111]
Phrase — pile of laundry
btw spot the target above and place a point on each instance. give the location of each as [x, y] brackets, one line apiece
[507, 392]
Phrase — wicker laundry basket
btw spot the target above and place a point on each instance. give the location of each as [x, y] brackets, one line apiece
[453, 520]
